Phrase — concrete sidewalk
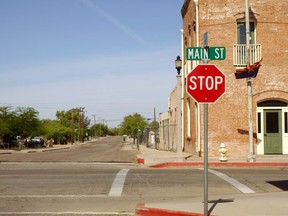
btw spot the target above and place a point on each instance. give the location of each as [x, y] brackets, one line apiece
[261, 204]
[160, 159]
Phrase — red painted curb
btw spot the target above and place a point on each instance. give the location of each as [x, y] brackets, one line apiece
[221, 164]
[141, 210]
[140, 160]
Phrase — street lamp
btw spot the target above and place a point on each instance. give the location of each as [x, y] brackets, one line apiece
[178, 66]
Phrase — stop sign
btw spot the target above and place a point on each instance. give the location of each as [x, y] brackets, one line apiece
[206, 83]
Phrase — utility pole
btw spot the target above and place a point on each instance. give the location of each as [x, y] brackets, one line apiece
[155, 132]
[81, 119]
[94, 119]
[72, 126]
[250, 156]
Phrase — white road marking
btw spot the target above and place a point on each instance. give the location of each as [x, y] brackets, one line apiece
[241, 187]
[118, 184]
[67, 163]
[52, 196]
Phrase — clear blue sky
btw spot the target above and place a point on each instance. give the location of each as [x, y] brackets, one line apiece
[113, 57]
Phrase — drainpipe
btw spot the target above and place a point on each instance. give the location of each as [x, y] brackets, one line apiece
[197, 22]
[183, 88]
[198, 106]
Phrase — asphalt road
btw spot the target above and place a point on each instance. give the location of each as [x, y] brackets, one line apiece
[100, 178]
[106, 149]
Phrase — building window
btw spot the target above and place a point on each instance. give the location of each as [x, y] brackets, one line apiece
[241, 32]
[259, 122]
[273, 119]
[239, 49]
[272, 103]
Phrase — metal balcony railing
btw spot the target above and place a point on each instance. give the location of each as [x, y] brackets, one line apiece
[239, 54]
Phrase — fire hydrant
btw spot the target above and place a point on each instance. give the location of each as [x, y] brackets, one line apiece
[223, 152]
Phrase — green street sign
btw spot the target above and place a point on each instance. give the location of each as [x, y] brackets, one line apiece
[200, 53]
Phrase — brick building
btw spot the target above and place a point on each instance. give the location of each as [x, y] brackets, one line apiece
[224, 21]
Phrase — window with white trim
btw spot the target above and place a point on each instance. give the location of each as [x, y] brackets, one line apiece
[241, 32]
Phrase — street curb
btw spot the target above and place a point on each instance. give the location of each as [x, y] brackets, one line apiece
[35, 150]
[141, 210]
[47, 149]
[140, 160]
[5, 152]
[55, 149]
[221, 164]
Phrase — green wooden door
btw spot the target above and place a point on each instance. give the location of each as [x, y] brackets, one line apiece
[273, 132]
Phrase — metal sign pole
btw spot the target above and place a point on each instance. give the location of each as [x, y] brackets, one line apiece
[205, 159]
[203, 95]
[206, 140]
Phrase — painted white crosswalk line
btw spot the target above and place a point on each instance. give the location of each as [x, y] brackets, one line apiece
[118, 184]
[52, 196]
[241, 187]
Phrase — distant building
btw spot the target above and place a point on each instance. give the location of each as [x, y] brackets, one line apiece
[224, 20]
[168, 125]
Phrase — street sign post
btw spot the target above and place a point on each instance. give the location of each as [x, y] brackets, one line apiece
[206, 83]
[209, 53]
[205, 141]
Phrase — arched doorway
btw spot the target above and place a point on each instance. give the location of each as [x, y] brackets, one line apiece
[272, 128]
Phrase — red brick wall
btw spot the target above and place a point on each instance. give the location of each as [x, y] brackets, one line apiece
[228, 117]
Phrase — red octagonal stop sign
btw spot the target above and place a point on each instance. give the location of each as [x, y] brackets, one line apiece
[206, 83]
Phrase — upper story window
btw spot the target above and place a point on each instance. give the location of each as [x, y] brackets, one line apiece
[241, 32]
[239, 49]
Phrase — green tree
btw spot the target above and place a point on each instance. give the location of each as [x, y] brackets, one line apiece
[5, 120]
[26, 123]
[69, 117]
[75, 120]
[99, 130]
[154, 125]
[131, 124]
[21, 121]
[114, 131]
[57, 131]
